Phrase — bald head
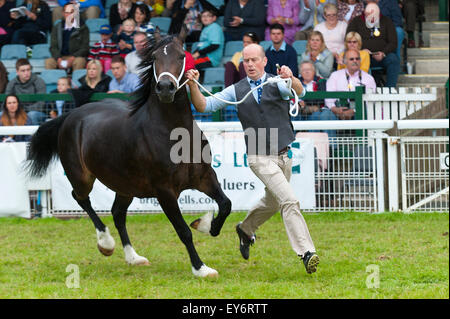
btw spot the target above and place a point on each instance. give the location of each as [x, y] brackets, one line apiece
[254, 49]
[254, 60]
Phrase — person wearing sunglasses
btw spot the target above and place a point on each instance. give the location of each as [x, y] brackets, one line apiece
[353, 41]
[347, 80]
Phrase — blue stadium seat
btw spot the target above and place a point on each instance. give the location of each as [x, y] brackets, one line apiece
[265, 44]
[51, 77]
[76, 74]
[108, 5]
[300, 46]
[95, 24]
[162, 22]
[11, 75]
[214, 77]
[231, 47]
[10, 53]
[40, 53]
[217, 3]
[220, 21]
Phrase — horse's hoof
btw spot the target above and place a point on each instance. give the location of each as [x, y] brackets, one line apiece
[205, 271]
[104, 251]
[141, 262]
[203, 224]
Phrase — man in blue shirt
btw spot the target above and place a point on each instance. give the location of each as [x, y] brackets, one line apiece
[123, 81]
[280, 52]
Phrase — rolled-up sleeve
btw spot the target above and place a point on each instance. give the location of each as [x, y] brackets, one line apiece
[213, 104]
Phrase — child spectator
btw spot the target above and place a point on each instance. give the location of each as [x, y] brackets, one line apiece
[105, 49]
[63, 86]
[13, 114]
[208, 52]
[124, 37]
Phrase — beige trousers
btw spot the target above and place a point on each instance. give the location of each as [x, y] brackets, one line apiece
[275, 172]
[78, 63]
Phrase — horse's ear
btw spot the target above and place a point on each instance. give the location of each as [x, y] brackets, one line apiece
[183, 33]
[157, 34]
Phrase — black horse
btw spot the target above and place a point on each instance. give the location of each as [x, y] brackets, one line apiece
[128, 147]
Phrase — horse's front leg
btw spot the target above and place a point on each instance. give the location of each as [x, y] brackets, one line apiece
[169, 204]
[211, 187]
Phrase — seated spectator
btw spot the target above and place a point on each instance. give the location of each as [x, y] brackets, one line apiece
[284, 12]
[411, 10]
[32, 27]
[353, 41]
[187, 12]
[69, 44]
[63, 86]
[333, 31]
[105, 49]
[234, 69]
[123, 81]
[3, 77]
[347, 80]
[311, 14]
[95, 81]
[391, 9]
[317, 52]
[124, 37]
[132, 59]
[243, 16]
[379, 37]
[208, 52]
[13, 114]
[280, 52]
[119, 12]
[89, 9]
[6, 30]
[314, 110]
[27, 82]
[141, 16]
[348, 9]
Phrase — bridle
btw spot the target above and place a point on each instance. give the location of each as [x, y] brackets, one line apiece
[177, 80]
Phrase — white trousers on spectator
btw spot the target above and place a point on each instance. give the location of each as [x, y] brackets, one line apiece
[275, 172]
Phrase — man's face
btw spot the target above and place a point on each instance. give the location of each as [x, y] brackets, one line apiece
[353, 61]
[118, 70]
[277, 36]
[254, 61]
[139, 41]
[307, 72]
[68, 10]
[24, 73]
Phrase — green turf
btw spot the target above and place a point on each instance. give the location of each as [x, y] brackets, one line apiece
[410, 253]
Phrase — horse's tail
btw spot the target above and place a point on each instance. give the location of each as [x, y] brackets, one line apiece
[43, 147]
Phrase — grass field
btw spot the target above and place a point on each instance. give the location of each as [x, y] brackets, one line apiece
[409, 254]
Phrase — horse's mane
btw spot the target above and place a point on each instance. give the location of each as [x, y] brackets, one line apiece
[141, 95]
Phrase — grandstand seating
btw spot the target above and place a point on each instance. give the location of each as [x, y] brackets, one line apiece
[39, 54]
[51, 77]
[10, 53]
[11, 75]
[76, 74]
[265, 44]
[163, 23]
[300, 47]
[214, 77]
[231, 47]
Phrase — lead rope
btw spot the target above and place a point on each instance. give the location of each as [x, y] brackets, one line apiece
[293, 107]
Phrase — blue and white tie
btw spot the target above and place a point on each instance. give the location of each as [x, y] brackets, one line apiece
[259, 89]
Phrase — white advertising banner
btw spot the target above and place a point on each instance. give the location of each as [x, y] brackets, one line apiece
[229, 161]
[14, 198]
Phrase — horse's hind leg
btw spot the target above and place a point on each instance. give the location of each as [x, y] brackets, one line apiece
[169, 204]
[211, 187]
[119, 212]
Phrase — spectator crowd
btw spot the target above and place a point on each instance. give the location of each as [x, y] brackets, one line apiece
[344, 40]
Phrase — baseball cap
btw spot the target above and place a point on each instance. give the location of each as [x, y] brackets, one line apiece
[105, 29]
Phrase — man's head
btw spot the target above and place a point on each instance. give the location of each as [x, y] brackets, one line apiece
[372, 14]
[118, 67]
[105, 32]
[307, 71]
[254, 60]
[276, 33]
[23, 70]
[208, 16]
[68, 12]
[352, 60]
[140, 40]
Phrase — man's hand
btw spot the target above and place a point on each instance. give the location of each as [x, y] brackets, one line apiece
[378, 56]
[236, 21]
[192, 75]
[284, 72]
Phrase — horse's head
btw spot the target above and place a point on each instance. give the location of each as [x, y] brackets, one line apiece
[168, 66]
